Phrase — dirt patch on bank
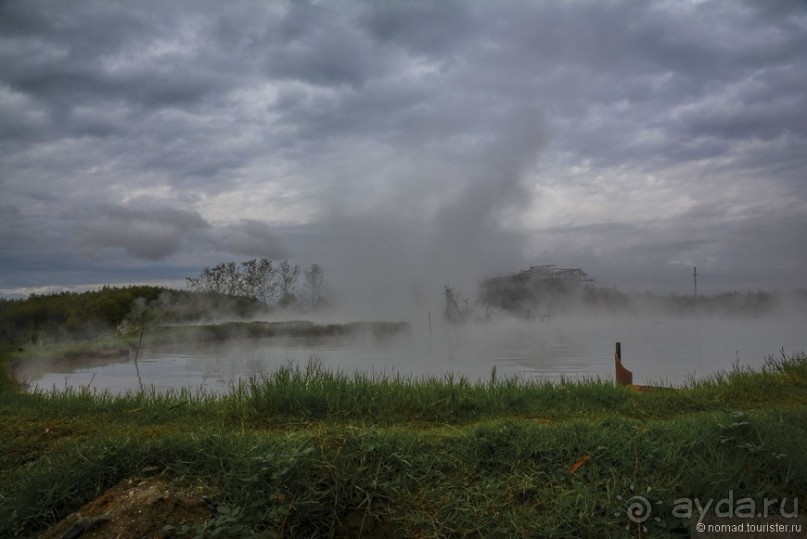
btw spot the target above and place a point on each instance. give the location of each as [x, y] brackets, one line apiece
[136, 508]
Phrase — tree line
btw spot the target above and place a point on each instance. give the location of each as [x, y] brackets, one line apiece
[69, 315]
[266, 281]
[228, 290]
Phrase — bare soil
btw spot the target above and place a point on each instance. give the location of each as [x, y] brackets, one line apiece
[135, 509]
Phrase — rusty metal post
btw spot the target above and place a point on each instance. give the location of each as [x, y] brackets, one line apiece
[624, 377]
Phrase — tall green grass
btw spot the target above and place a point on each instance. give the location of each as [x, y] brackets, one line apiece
[304, 451]
[311, 393]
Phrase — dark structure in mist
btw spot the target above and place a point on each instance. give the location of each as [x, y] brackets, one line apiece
[531, 287]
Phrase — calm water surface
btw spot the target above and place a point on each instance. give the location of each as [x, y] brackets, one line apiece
[657, 350]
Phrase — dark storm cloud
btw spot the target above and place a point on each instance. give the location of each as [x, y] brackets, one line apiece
[148, 234]
[99, 50]
[156, 233]
[477, 136]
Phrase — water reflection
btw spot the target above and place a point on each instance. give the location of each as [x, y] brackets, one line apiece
[658, 351]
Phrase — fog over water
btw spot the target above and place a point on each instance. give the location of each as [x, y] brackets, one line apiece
[658, 349]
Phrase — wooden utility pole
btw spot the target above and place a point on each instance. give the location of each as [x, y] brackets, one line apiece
[695, 276]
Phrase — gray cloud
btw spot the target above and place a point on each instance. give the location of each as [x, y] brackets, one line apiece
[150, 234]
[250, 239]
[629, 138]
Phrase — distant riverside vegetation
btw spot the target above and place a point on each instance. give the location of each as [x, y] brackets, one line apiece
[68, 316]
[227, 291]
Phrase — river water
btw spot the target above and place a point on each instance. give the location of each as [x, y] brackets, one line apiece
[659, 351]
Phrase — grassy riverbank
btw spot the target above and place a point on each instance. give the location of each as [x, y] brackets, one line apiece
[307, 452]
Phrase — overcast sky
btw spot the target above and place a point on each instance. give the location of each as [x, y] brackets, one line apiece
[404, 145]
